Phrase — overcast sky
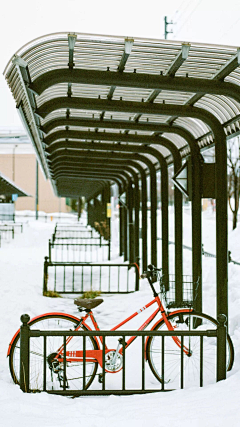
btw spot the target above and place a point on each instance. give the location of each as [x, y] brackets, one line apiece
[208, 21]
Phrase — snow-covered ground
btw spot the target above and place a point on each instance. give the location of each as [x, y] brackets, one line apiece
[21, 266]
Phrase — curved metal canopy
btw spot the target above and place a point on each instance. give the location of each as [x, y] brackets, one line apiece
[115, 90]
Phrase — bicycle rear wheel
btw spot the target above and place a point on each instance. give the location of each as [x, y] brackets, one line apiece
[74, 371]
[191, 364]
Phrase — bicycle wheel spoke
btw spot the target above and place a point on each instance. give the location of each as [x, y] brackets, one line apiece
[191, 364]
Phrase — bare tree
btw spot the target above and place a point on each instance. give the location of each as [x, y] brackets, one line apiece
[233, 177]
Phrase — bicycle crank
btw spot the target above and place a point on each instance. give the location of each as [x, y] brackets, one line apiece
[113, 362]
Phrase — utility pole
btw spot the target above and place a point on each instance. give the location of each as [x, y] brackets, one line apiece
[166, 23]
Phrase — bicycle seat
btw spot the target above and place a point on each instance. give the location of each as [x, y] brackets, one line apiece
[88, 303]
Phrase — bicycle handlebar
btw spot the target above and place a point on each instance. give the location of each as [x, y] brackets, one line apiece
[150, 272]
[151, 275]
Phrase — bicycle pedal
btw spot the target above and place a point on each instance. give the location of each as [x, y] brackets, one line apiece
[100, 378]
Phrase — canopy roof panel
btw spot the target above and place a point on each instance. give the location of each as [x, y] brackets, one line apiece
[73, 88]
[7, 187]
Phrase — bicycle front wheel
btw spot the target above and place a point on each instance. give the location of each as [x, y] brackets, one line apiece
[54, 378]
[195, 373]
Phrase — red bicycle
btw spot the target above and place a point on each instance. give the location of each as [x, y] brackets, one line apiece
[180, 319]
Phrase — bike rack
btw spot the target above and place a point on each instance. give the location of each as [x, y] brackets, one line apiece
[68, 278]
[26, 333]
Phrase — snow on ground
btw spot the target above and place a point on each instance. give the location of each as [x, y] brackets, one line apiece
[21, 266]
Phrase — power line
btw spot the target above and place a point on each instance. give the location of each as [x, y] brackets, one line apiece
[231, 27]
[179, 9]
[191, 13]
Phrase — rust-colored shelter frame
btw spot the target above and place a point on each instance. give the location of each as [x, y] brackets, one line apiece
[151, 102]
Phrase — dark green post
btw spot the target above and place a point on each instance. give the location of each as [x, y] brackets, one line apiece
[24, 353]
[45, 275]
[79, 207]
[121, 227]
[126, 235]
[137, 278]
[144, 222]
[130, 224]
[49, 250]
[221, 347]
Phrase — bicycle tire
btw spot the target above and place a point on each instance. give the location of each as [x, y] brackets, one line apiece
[172, 353]
[74, 372]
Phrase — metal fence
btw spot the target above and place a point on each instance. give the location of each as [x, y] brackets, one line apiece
[18, 226]
[79, 252]
[78, 278]
[45, 217]
[117, 384]
[74, 234]
[7, 232]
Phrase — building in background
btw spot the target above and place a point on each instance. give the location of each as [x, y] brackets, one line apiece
[18, 163]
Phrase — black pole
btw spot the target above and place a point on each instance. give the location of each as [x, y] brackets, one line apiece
[79, 207]
[221, 347]
[221, 225]
[121, 227]
[24, 353]
[130, 224]
[196, 166]
[45, 274]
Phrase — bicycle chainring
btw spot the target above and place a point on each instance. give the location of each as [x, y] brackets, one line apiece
[110, 366]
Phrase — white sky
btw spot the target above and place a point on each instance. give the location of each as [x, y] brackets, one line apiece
[208, 21]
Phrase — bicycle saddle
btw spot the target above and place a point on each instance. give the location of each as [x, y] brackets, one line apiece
[88, 303]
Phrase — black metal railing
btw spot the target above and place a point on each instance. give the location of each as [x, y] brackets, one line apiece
[79, 252]
[73, 234]
[71, 225]
[96, 389]
[42, 217]
[7, 232]
[79, 278]
[18, 226]
[73, 230]
[71, 239]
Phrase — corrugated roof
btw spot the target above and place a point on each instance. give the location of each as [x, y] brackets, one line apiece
[96, 88]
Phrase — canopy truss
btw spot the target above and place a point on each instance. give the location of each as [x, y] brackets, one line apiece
[102, 109]
[72, 88]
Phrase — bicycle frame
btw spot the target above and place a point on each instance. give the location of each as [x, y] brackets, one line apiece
[97, 355]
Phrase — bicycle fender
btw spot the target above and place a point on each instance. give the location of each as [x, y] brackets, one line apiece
[37, 317]
[186, 310]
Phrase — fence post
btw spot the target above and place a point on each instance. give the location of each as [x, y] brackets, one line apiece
[49, 250]
[45, 275]
[137, 275]
[24, 353]
[12, 232]
[221, 347]
[109, 249]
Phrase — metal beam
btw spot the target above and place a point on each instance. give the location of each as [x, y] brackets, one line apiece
[71, 43]
[122, 106]
[134, 80]
[127, 50]
[54, 140]
[179, 60]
